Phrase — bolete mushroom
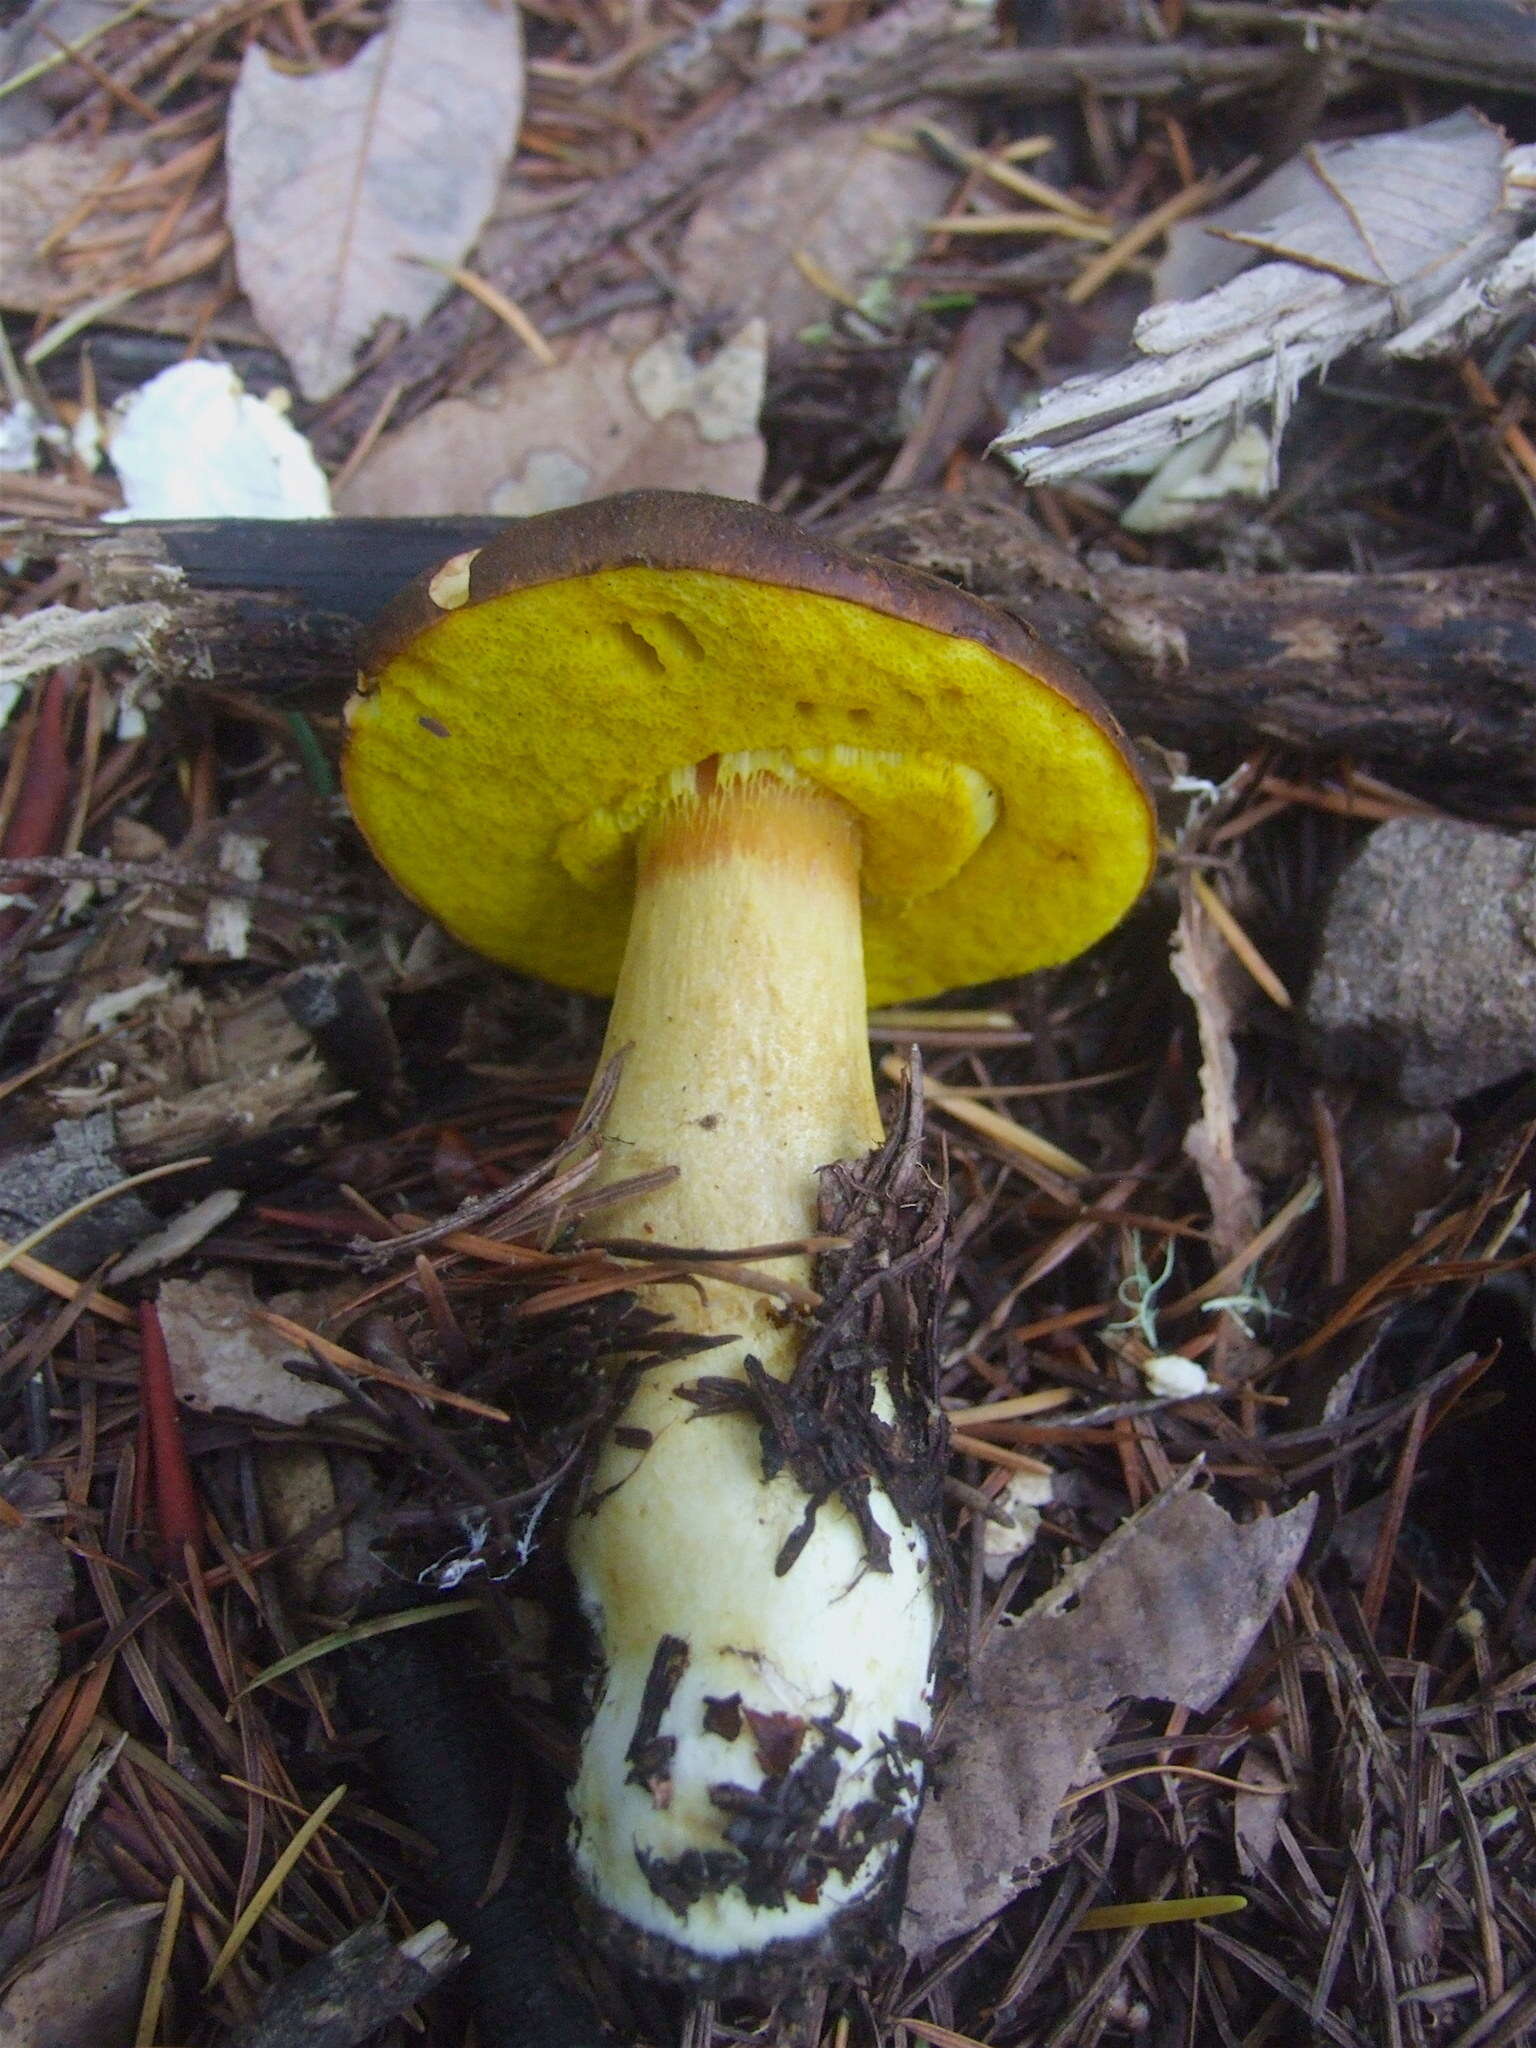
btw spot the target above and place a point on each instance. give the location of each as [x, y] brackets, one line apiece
[673, 748]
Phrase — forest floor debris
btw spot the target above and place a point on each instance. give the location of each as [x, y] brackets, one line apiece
[1318, 1313]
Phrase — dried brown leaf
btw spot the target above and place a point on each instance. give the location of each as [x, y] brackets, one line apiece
[625, 406]
[47, 182]
[852, 206]
[223, 1356]
[1168, 1609]
[35, 1582]
[346, 186]
[83, 1986]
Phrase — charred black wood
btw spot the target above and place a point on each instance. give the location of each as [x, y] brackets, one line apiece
[332, 1001]
[450, 1768]
[342, 1998]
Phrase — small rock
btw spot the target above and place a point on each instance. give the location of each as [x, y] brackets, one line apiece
[43, 1181]
[1426, 982]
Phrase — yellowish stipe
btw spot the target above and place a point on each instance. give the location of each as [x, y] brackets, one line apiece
[741, 1005]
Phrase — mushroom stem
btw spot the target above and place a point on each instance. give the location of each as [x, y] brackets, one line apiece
[752, 1759]
[742, 1007]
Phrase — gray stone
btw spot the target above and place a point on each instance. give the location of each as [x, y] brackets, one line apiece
[1426, 980]
[42, 1182]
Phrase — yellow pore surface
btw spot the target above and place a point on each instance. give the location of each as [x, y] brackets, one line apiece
[504, 728]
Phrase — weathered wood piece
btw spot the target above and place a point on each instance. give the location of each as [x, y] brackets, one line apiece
[343, 1997]
[1428, 676]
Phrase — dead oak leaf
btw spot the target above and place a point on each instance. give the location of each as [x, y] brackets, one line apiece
[35, 1582]
[626, 406]
[1167, 1609]
[346, 187]
[839, 203]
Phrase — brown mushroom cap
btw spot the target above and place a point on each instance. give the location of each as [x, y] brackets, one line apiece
[518, 704]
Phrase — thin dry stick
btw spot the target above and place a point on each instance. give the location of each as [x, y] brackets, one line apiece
[165, 874]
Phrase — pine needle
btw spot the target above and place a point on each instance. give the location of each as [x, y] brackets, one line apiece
[1246, 951]
[325, 1646]
[273, 1883]
[1161, 1912]
[160, 1968]
[1005, 1131]
[996, 1454]
[13, 1252]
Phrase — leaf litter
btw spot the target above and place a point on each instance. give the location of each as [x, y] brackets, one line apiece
[1359, 1778]
[350, 190]
[1168, 1608]
[625, 405]
[844, 206]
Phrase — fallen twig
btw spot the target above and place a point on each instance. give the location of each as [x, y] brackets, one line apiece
[164, 874]
[1429, 674]
[346, 1994]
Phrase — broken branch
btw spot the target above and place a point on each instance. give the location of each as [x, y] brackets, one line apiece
[1430, 675]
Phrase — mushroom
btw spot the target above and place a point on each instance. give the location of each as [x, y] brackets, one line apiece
[674, 749]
